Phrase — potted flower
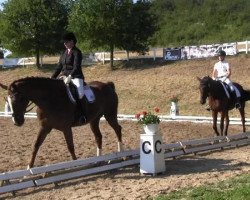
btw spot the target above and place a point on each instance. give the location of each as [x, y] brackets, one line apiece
[174, 99]
[149, 121]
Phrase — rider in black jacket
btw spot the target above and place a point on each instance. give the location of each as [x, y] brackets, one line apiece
[70, 66]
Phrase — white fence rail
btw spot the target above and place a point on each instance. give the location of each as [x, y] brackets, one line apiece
[243, 46]
[93, 58]
[21, 179]
[165, 118]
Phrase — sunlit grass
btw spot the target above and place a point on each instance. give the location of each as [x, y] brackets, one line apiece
[234, 189]
[149, 84]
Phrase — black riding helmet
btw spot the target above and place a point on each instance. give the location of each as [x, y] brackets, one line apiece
[69, 36]
[222, 53]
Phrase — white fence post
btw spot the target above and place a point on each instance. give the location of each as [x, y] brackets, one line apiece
[246, 47]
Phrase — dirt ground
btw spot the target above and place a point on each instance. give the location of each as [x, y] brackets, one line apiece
[16, 146]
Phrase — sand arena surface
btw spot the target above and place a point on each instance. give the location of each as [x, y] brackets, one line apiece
[16, 147]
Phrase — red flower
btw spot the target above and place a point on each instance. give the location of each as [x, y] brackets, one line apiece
[144, 113]
[137, 116]
[157, 110]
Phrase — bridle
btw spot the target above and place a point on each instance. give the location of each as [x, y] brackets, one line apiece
[205, 86]
[8, 101]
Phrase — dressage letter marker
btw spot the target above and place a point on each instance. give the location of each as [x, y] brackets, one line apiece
[151, 154]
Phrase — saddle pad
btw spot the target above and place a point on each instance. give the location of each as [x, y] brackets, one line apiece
[89, 94]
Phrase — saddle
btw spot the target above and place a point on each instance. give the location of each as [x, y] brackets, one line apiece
[88, 97]
[73, 93]
[229, 93]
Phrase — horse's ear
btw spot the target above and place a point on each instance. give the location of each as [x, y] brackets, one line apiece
[5, 87]
[198, 78]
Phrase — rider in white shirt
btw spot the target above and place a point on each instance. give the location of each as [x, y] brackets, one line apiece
[222, 72]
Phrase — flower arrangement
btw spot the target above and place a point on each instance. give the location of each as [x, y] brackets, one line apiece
[148, 117]
[174, 98]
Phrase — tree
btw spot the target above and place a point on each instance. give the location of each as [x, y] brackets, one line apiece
[193, 22]
[108, 24]
[31, 27]
[138, 27]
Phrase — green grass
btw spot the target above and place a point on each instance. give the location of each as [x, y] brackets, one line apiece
[237, 188]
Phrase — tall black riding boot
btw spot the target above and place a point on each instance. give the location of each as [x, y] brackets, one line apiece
[237, 101]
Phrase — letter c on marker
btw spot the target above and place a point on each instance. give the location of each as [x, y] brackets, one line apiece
[143, 147]
[156, 143]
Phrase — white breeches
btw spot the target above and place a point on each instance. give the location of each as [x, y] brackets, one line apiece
[230, 84]
[78, 82]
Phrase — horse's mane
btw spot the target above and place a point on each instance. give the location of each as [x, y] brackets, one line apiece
[37, 82]
[36, 79]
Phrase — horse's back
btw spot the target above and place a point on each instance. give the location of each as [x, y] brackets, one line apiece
[105, 94]
[101, 85]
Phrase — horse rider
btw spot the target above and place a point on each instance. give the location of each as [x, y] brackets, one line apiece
[69, 65]
[222, 72]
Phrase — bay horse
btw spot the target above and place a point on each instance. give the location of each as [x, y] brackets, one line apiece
[220, 103]
[55, 110]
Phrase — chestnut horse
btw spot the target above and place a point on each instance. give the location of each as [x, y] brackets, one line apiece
[55, 110]
[220, 103]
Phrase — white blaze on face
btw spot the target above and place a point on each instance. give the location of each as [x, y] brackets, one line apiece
[11, 107]
[10, 104]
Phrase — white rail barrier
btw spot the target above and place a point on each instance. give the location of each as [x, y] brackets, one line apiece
[21, 179]
[165, 118]
[243, 49]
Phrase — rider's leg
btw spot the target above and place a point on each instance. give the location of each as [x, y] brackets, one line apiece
[238, 97]
[236, 93]
[79, 84]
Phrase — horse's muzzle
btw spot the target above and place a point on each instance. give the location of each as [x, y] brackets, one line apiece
[202, 101]
[18, 120]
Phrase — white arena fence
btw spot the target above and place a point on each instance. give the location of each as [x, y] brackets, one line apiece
[164, 118]
[55, 173]
[201, 51]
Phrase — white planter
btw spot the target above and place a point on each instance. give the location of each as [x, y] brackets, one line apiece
[151, 128]
[174, 110]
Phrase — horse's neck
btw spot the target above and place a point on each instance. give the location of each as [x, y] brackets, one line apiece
[216, 89]
[39, 94]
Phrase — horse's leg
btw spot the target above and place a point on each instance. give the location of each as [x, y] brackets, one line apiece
[242, 115]
[215, 114]
[40, 139]
[112, 120]
[70, 143]
[94, 125]
[222, 118]
[227, 123]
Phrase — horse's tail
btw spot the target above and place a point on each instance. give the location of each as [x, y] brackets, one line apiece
[246, 95]
[111, 84]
